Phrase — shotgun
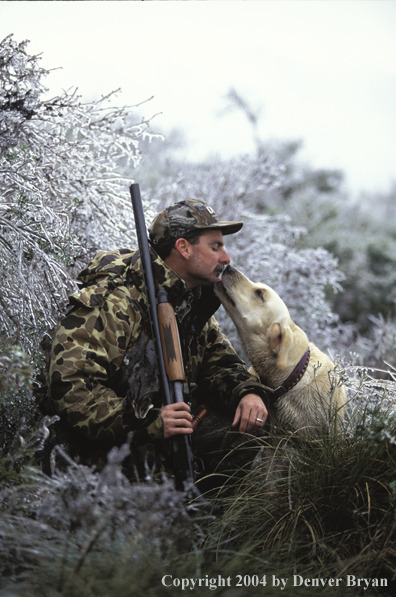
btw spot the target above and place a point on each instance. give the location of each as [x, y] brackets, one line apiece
[167, 344]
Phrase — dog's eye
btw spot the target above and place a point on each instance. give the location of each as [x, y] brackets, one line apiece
[260, 293]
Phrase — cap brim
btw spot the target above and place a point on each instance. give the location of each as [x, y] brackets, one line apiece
[225, 227]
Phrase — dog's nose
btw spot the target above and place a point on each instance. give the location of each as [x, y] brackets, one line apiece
[230, 270]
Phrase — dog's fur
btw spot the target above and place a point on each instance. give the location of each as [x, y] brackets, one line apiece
[274, 345]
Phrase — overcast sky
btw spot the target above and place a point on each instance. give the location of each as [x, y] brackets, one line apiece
[323, 71]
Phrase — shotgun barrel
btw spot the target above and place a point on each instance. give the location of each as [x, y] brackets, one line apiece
[167, 343]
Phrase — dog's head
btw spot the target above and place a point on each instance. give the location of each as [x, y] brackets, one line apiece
[261, 318]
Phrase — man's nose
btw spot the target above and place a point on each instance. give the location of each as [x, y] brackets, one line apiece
[225, 258]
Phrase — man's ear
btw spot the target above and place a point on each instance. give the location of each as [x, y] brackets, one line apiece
[281, 340]
[183, 247]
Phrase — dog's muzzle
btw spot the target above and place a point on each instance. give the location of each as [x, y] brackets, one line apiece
[229, 270]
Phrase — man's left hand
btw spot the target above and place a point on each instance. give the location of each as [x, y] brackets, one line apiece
[250, 413]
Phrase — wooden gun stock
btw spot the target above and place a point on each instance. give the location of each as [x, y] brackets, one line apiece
[170, 339]
[171, 348]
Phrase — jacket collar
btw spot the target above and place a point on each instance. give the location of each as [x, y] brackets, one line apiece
[164, 277]
[204, 304]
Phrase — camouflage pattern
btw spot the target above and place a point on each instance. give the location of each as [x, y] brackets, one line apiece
[187, 216]
[93, 344]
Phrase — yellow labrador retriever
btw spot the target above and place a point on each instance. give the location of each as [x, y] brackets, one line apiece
[304, 390]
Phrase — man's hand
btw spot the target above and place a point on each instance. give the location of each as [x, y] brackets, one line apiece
[250, 413]
[177, 419]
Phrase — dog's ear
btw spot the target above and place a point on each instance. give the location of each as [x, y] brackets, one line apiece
[281, 340]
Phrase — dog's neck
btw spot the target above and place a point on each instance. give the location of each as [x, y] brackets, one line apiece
[271, 376]
[294, 376]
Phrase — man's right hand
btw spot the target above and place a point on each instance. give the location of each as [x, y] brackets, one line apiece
[177, 419]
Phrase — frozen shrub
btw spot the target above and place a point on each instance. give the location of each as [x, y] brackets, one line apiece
[60, 189]
[60, 527]
[266, 249]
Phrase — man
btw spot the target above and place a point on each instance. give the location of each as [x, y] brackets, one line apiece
[105, 330]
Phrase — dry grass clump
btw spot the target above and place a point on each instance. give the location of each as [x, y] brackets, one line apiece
[325, 506]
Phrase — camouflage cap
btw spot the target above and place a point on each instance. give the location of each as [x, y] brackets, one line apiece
[187, 216]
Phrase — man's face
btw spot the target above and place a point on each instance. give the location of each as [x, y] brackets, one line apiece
[207, 260]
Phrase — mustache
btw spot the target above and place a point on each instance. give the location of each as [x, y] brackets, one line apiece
[219, 269]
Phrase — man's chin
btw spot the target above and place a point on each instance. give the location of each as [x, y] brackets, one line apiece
[210, 282]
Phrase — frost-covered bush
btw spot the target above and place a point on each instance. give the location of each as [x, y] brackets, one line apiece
[15, 369]
[56, 531]
[61, 194]
[17, 405]
[228, 185]
[266, 249]
[377, 347]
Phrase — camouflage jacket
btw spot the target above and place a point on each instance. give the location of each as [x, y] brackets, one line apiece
[104, 323]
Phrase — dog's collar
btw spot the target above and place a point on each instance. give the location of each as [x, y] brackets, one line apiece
[294, 376]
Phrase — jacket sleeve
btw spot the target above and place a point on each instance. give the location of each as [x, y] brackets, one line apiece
[87, 352]
[223, 375]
